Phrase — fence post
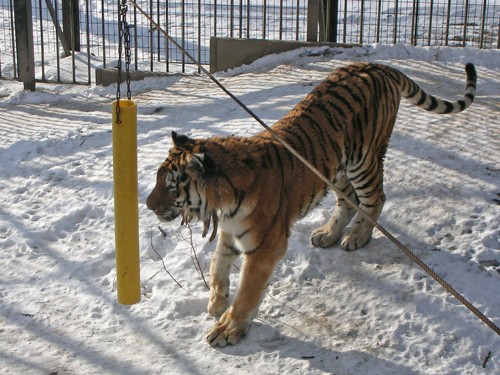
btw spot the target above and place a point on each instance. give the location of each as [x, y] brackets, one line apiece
[330, 18]
[71, 23]
[312, 20]
[414, 23]
[24, 43]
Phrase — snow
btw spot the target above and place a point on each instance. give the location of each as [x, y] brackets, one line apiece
[371, 311]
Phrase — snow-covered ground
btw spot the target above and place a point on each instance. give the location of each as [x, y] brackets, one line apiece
[326, 311]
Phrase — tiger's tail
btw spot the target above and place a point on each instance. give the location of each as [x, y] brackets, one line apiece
[415, 95]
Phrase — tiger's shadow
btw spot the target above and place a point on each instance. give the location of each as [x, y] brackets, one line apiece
[267, 340]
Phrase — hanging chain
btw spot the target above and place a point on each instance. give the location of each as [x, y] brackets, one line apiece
[123, 40]
[128, 52]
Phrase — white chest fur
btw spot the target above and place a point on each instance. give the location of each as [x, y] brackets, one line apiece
[240, 230]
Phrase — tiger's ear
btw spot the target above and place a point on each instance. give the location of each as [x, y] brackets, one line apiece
[200, 165]
[194, 167]
[179, 139]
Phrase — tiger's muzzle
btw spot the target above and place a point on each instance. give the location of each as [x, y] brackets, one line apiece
[160, 202]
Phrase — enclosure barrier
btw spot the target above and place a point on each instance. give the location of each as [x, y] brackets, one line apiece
[88, 30]
[126, 202]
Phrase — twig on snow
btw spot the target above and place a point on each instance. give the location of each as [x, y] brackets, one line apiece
[162, 231]
[192, 246]
[486, 359]
[299, 312]
[162, 262]
[194, 256]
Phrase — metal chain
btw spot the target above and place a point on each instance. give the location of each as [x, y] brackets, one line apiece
[128, 54]
[329, 183]
[123, 40]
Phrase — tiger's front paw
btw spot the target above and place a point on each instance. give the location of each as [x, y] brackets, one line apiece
[217, 304]
[354, 241]
[324, 236]
[226, 331]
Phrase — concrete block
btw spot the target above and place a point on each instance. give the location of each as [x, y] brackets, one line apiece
[228, 53]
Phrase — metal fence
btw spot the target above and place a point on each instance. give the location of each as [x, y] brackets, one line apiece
[90, 29]
[190, 22]
[424, 23]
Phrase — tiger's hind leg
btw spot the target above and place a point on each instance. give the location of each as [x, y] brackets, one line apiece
[329, 233]
[369, 189]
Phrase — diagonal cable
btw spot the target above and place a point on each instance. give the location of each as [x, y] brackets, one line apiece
[329, 183]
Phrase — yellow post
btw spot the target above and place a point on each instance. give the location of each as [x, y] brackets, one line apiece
[126, 202]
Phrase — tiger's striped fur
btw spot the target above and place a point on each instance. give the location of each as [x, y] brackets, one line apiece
[257, 189]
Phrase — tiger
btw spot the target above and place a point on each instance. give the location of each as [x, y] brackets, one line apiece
[254, 189]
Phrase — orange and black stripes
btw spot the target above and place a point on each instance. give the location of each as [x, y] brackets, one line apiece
[415, 95]
[342, 126]
[253, 189]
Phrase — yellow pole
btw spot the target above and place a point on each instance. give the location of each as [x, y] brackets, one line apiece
[126, 202]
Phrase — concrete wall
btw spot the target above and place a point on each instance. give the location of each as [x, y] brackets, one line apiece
[227, 53]
[106, 77]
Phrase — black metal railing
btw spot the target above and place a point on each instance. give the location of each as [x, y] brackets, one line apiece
[89, 28]
[424, 23]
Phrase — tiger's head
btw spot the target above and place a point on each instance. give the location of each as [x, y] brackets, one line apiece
[180, 188]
